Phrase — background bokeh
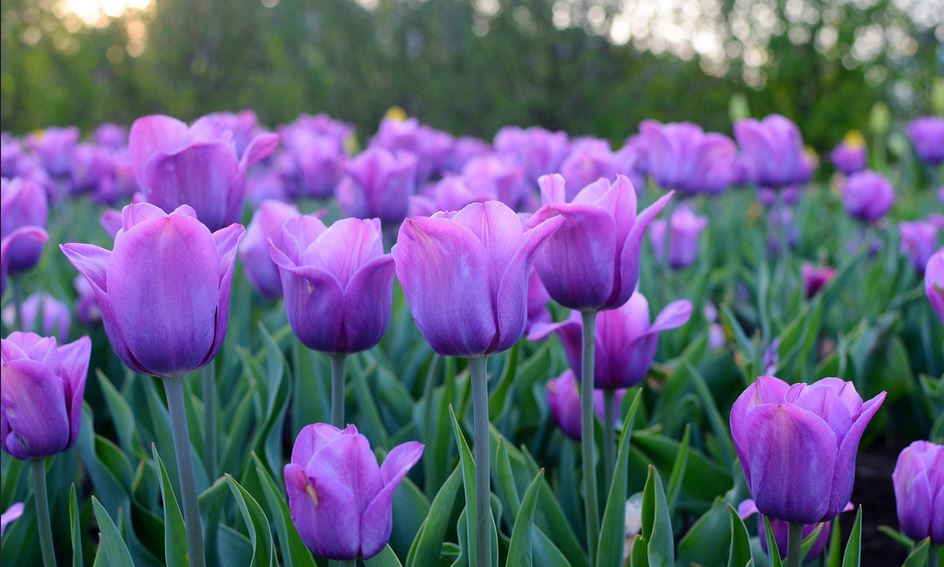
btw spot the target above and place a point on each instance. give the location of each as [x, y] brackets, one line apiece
[586, 66]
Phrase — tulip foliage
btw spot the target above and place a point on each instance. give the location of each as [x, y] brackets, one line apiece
[312, 351]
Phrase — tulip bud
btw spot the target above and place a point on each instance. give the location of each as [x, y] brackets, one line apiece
[266, 225]
[919, 491]
[55, 148]
[867, 196]
[803, 437]
[918, 242]
[588, 161]
[563, 399]
[378, 184]
[816, 278]
[682, 156]
[22, 204]
[341, 501]
[44, 314]
[772, 152]
[850, 156]
[934, 282]
[927, 137]
[41, 399]
[538, 151]
[686, 227]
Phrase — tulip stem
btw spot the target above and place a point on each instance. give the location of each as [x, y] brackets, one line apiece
[337, 389]
[42, 512]
[208, 384]
[936, 551]
[587, 446]
[609, 441]
[174, 388]
[795, 544]
[483, 504]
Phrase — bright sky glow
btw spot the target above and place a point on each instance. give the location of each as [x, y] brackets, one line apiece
[98, 12]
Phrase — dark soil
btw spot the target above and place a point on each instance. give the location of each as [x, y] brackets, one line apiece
[874, 491]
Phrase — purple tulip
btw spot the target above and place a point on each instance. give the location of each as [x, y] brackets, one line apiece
[563, 399]
[27, 235]
[340, 499]
[919, 491]
[92, 170]
[781, 531]
[243, 126]
[463, 150]
[816, 278]
[378, 184]
[538, 299]
[11, 152]
[111, 136]
[772, 152]
[43, 314]
[198, 166]
[538, 151]
[450, 193]
[934, 282]
[430, 146]
[625, 341]
[22, 204]
[497, 177]
[918, 242]
[588, 161]
[338, 282]
[867, 196]
[682, 156]
[592, 262]
[797, 445]
[683, 238]
[55, 148]
[927, 137]
[465, 276]
[12, 514]
[850, 156]
[41, 399]
[266, 225]
[164, 288]
[316, 159]
[86, 305]
[324, 125]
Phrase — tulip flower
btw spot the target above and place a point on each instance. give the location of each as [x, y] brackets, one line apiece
[340, 500]
[934, 282]
[55, 148]
[92, 170]
[42, 313]
[919, 491]
[592, 262]
[537, 302]
[12, 514]
[816, 278]
[316, 160]
[563, 399]
[686, 226]
[747, 508]
[463, 150]
[430, 146]
[797, 445]
[772, 152]
[242, 126]
[266, 225]
[927, 137]
[589, 160]
[164, 295]
[538, 151]
[11, 153]
[918, 242]
[22, 204]
[378, 184]
[41, 409]
[197, 166]
[497, 177]
[850, 156]
[111, 136]
[682, 156]
[32, 234]
[867, 196]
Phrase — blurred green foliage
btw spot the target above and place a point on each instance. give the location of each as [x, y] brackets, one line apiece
[452, 63]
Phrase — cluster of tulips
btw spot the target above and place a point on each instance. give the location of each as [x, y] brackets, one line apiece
[481, 238]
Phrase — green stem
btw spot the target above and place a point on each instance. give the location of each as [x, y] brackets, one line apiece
[337, 389]
[208, 383]
[935, 554]
[174, 388]
[483, 505]
[784, 266]
[795, 545]
[17, 292]
[587, 446]
[609, 440]
[42, 512]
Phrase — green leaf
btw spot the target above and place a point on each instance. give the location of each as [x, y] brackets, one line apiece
[717, 423]
[505, 481]
[386, 558]
[896, 536]
[740, 551]
[772, 550]
[918, 557]
[613, 526]
[120, 412]
[112, 551]
[851, 557]
[519, 550]
[75, 528]
[260, 535]
[835, 545]
[428, 543]
[467, 464]
[175, 532]
[678, 469]
[656, 523]
[294, 551]
[810, 540]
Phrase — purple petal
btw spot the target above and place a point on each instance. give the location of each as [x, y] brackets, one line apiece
[766, 389]
[36, 420]
[324, 512]
[377, 520]
[627, 274]
[368, 299]
[74, 358]
[673, 316]
[344, 248]
[314, 302]
[844, 474]
[152, 134]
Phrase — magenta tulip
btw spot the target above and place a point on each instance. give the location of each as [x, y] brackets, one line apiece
[538, 151]
[55, 148]
[816, 278]
[850, 156]
[588, 161]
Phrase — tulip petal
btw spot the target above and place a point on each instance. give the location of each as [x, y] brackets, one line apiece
[780, 437]
[311, 439]
[258, 149]
[627, 271]
[767, 389]
[35, 413]
[499, 230]
[20, 235]
[368, 299]
[314, 302]
[844, 474]
[673, 316]
[553, 189]
[344, 247]
[912, 497]
[227, 243]
[377, 520]
[91, 262]
[149, 135]
[328, 526]
[74, 358]
[111, 222]
[937, 518]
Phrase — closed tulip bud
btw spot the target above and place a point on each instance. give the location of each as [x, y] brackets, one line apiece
[55, 148]
[772, 152]
[850, 156]
[816, 278]
[918, 242]
[625, 340]
[781, 531]
[41, 399]
[867, 196]
[934, 282]
[465, 276]
[22, 204]
[30, 235]
[927, 137]
[164, 288]
[266, 225]
[592, 262]
[563, 399]
[341, 501]
[338, 283]
[919, 491]
[378, 184]
[197, 166]
[682, 156]
[797, 445]
[686, 227]
[588, 161]
[44, 314]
